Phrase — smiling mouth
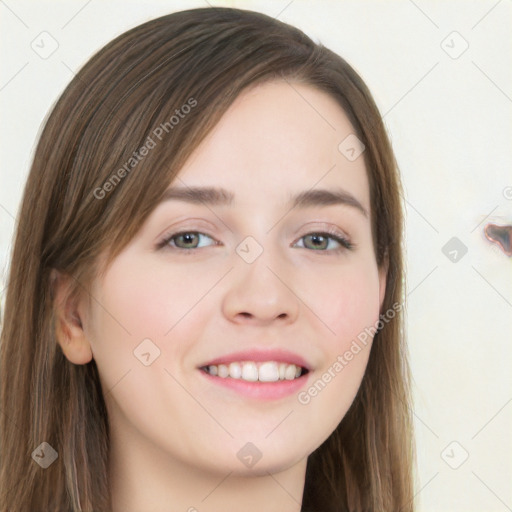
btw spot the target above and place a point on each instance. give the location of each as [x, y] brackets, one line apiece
[251, 371]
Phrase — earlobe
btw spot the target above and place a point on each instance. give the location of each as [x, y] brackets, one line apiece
[69, 331]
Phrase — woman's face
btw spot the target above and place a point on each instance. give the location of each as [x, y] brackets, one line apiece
[252, 280]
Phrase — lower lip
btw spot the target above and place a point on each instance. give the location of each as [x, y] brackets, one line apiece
[260, 390]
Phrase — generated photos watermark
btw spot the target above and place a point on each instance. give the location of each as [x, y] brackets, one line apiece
[342, 360]
[156, 136]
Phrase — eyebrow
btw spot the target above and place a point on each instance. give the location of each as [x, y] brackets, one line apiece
[212, 196]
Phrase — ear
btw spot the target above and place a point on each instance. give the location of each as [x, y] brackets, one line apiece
[383, 272]
[68, 323]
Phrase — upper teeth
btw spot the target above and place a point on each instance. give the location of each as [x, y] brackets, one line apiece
[269, 371]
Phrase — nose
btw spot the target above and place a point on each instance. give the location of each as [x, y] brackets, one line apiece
[260, 293]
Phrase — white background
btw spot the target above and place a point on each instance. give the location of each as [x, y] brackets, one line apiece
[450, 124]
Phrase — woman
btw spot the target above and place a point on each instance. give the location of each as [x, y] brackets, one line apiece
[203, 310]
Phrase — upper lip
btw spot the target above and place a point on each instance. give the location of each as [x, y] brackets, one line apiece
[260, 355]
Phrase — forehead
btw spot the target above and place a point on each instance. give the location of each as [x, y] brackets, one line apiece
[278, 138]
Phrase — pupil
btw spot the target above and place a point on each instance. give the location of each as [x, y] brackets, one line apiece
[317, 240]
[188, 238]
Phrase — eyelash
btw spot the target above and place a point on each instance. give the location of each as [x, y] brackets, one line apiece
[329, 233]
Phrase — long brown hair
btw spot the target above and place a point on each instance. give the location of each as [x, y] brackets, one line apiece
[78, 205]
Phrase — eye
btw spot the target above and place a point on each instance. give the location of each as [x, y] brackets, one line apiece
[184, 240]
[321, 241]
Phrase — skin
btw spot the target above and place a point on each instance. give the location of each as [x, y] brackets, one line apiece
[175, 436]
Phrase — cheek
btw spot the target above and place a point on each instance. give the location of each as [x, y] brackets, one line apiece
[147, 304]
[346, 302]
[134, 305]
